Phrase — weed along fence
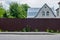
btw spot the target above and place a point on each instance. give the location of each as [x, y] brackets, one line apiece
[14, 24]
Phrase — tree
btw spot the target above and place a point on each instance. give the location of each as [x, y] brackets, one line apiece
[25, 6]
[18, 11]
[5, 15]
[14, 10]
[22, 12]
[2, 11]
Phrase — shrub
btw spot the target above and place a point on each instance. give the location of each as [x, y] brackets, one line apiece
[47, 30]
[27, 29]
[24, 30]
[57, 31]
[0, 30]
[51, 31]
[6, 31]
[36, 30]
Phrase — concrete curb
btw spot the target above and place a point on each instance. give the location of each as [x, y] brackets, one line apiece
[28, 33]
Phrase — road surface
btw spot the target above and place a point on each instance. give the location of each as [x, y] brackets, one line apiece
[29, 37]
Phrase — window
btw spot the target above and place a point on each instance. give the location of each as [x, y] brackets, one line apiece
[47, 13]
[43, 13]
[45, 7]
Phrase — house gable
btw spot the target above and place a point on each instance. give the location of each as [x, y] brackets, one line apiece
[45, 9]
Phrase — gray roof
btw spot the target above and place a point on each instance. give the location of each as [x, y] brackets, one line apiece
[32, 11]
[35, 11]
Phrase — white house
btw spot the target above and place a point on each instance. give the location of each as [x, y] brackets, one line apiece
[44, 12]
[58, 11]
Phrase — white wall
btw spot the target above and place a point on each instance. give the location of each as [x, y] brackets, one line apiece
[45, 9]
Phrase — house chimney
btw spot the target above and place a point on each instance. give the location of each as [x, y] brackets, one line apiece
[59, 7]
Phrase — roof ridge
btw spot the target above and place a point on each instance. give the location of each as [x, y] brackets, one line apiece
[42, 7]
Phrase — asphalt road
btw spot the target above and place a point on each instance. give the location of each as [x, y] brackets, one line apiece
[29, 37]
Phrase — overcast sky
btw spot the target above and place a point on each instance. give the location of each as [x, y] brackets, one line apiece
[33, 3]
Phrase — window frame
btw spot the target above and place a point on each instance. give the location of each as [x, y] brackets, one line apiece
[43, 13]
[47, 13]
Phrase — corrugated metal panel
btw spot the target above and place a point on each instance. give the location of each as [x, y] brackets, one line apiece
[32, 11]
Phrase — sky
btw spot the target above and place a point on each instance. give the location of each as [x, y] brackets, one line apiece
[40, 3]
[33, 3]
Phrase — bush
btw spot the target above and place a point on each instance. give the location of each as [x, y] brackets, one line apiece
[57, 31]
[36, 30]
[24, 30]
[27, 29]
[47, 30]
[52, 31]
[0, 30]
